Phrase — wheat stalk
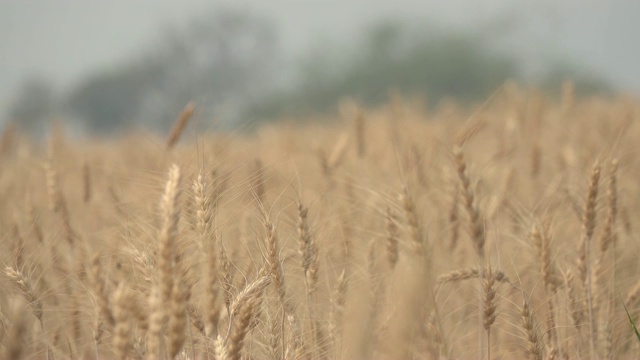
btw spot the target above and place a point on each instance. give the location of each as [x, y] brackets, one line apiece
[177, 319]
[17, 332]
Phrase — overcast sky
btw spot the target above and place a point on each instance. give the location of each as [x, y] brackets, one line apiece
[64, 40]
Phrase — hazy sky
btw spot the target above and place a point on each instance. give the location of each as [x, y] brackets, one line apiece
[64, 40]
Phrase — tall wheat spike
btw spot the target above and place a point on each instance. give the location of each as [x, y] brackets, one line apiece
[180, 124]
[476, 227]
[170, 211]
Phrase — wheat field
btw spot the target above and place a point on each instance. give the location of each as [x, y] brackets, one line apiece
[503, 230]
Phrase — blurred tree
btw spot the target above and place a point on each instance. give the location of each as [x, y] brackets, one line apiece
[228, 61]
[586, 82]
[109, 101]
[225, 58]
[440, 65]
[33, 106]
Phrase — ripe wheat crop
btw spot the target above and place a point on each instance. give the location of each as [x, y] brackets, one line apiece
[503, 230]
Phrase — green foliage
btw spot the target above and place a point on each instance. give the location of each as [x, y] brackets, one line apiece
[110, 101]
[438, 65]
[633, 324]
[585, 82]
[34, 105]
[220, 59]
[228, 62]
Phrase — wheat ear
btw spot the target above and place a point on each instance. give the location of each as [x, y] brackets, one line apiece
[391, 227]
[209, 239]
[273, 260]
[30, 293]
[240, 314]
[411, 216]
[534, 341]
[310, 265]
[489, 286]
[180, 124]
[168, 233]
[476, 227]
[584, 259]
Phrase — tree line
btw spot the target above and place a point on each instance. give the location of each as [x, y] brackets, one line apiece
[229, 63]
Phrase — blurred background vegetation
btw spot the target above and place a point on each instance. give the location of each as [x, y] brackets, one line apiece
[229, 63]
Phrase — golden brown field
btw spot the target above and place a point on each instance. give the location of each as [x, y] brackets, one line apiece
[502, 231]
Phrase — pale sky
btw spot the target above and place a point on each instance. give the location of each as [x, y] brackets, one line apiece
[64, 40]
